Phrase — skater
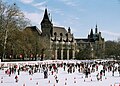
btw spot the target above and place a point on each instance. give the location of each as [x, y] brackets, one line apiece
[73, 69]
[101, 75]
[64, 67]
[56, 78]
[119, 69]
[113, 72]
[19, 71]
[104, 72]
[79, 70]
[50, 68]
[45, 74]
[10, 71]
[96, 67]
[104, 69]
[16, 78]
[97, 76]
[86, 73]
[68, 70]
[52, 72]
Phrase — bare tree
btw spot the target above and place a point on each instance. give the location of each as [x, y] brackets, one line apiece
[11, 18]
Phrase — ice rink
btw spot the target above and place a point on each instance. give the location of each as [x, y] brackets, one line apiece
[64, 79]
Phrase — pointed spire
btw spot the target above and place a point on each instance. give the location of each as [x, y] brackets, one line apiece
[69, 30]
[96, 29]
[46, 14]
[46, 17]
[91, 33]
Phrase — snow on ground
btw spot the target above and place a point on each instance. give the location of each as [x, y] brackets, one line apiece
[65, 79]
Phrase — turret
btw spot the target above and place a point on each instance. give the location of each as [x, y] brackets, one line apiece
[46, 17]
[96, 29]
[91, 33]
[69, 30]
[46, 25]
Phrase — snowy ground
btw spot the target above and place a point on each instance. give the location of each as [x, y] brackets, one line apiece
[65, 79]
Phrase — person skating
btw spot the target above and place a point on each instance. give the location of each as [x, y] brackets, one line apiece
[18, 71]
[97, 76]
[113, 72]
[56, 78]
[86, 73]
[119, 69]
[16, 78]
[101, 75]
[45, 74]
[64, 67]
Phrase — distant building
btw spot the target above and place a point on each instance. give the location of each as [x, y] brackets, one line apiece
[63, 45]
[95, 42]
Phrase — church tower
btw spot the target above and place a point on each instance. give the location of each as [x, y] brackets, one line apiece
[46, 25]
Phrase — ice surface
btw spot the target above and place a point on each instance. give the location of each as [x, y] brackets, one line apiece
[65, 79]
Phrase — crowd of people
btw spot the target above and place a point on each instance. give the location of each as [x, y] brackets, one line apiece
[53, 69]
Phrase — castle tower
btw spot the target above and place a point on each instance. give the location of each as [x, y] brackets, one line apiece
[69, 30]
[96, 29]
[91, 33]
[46, 25]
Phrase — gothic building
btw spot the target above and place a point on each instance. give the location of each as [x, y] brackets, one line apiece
[95, 42]
[63, 45]
[62, 42]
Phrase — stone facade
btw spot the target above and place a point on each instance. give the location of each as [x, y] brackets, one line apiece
[63, 45]
[95, 42]
[62, 42]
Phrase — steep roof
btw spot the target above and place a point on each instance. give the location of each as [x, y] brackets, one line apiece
[62, 30]
[83, 40]
[46, 17]
[59, 30]
[34, 28]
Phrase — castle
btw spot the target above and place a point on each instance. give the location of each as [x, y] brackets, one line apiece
[62, 43]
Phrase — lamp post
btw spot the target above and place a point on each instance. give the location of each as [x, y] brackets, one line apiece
[92, 52]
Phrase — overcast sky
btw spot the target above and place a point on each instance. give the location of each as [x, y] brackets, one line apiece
[80, 15]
